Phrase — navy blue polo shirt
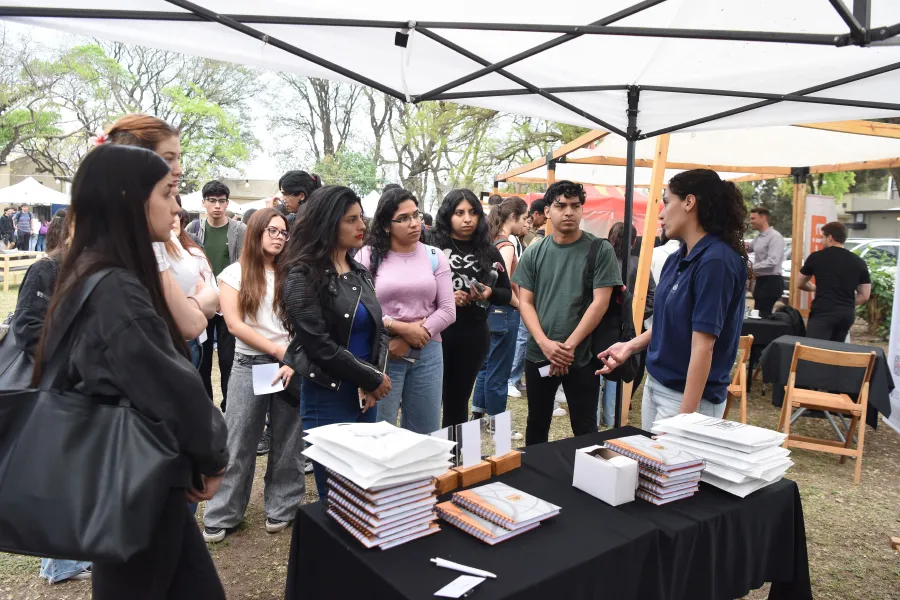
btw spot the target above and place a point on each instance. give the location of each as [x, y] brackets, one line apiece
[703, 291]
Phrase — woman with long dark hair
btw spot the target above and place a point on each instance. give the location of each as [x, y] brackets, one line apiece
[412, 282]
[124, 343]
[699, 305]
[479, 280]
[329, 306]
[506, 221]
[250, 292]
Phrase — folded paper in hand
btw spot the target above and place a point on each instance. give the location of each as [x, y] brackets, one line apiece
[263, 376]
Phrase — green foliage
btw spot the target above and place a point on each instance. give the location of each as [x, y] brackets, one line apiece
[878, 310]
[355, 170]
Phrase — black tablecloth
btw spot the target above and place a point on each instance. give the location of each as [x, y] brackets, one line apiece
[764, 332]
[712, 545]
[776, 369]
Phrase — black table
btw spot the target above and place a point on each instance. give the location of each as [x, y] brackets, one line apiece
[776, 369]
[712, 545]
[764, 332]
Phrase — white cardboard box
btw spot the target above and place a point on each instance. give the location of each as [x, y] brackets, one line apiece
[605, 475]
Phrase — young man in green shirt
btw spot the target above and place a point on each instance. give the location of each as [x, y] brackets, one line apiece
[222, 240]
[550, 276]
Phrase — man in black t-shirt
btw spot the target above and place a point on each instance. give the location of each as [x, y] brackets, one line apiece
[842, 284]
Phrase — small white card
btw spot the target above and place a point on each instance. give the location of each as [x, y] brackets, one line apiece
[471, 443]
[502, 433]
[459, 586]
[545, 371]
[263, 375]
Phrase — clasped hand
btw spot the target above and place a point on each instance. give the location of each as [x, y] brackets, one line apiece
[560, 355]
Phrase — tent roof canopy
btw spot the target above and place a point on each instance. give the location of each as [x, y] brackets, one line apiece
[766, 152]
[684, 64]
[32, 192]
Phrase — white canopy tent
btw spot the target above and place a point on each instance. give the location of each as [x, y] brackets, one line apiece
[32, 192]
[192, 202]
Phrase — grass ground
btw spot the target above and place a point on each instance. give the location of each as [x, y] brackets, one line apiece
[848, 526]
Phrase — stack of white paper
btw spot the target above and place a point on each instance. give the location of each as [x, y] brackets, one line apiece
[740, 458]
[380, 479]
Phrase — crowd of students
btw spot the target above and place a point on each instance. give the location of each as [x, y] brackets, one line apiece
[365, 322]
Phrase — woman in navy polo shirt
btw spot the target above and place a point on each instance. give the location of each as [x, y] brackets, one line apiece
[699, 301]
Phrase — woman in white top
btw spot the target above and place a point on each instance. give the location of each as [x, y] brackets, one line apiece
[191, 270]
[248, 294]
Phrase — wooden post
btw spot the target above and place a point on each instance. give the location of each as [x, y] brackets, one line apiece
[642, 283]
[496, 187]
[799, 215]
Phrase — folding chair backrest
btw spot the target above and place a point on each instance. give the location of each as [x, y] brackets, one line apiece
[835, 358]
[744, 346]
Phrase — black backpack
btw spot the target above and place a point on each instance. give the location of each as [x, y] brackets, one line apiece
[617, 324]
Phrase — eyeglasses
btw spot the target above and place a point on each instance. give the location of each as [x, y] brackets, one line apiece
[222, 201]
[405, 219]
[275, 233]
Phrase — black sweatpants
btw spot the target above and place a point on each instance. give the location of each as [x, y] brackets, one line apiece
[832, 326]
[582, 390]
[766, 292]
[218, 330]
[175, 566]
[465, 346]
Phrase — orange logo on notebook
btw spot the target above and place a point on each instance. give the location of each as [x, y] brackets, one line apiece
[514, 497]
[658, 447]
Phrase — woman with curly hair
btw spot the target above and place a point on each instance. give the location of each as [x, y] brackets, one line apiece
[412, 282]
[699, 304]
[479, 281]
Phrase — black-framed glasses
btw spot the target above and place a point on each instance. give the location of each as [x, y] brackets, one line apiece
[405, 219]
[222, 201]
[276, 233]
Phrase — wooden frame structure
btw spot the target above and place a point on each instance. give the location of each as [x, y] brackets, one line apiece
[659, 165]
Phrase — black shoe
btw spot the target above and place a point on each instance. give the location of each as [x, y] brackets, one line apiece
[274, 526]
[213, 535]
[263, 446]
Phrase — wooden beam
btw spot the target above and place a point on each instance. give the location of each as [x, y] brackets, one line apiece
[884, 163]
[643, 162]
[580, 142]
[642, 283]
[799, 216]
[756, 177]
[543, 181]
[887, 130]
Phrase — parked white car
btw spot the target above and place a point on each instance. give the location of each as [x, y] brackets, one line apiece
[888, 248]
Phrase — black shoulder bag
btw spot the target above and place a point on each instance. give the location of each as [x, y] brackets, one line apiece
[80, 478]
[617, 325]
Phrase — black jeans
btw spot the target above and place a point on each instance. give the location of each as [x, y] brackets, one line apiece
[768, 291]
[465, 347]
[24, 240]
[216, 329]
[832, 326]
[175, 566]
[582, 389]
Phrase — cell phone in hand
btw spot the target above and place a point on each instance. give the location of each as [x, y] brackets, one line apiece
[478, 287]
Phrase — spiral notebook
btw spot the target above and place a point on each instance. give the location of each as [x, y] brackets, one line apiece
[384, 530]
[487, 532]
[387, 495]
[505, 506]
[691, 474]
[379, 509]
[388, 542]
[654, 499]
[654, 454]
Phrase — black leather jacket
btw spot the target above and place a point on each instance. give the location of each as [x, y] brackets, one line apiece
[322, 320]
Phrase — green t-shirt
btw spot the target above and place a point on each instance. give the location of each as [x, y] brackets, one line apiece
[215, 244]
[554, 273]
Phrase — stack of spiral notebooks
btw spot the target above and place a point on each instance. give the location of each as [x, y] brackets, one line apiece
[666, 473]
[495, 512]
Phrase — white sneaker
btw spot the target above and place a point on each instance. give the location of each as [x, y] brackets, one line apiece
[513, 392]
[559, 412]
[516, 436]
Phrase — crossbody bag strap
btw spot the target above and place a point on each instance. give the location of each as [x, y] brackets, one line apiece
[588, 274]
[56, 361]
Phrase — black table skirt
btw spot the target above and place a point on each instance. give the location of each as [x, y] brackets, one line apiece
[764, 332]
[712, 545]
[776, 369]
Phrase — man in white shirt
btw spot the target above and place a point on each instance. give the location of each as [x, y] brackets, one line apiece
[661, 254]
[768, 249]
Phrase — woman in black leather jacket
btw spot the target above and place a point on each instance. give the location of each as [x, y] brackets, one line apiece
[329, 307]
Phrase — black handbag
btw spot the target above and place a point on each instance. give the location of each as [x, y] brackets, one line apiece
[16, 366]
[617, 325]
[80, 478]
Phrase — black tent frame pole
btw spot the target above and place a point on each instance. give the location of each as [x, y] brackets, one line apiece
[634, 96]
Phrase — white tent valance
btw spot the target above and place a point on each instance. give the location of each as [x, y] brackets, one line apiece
[32, 192]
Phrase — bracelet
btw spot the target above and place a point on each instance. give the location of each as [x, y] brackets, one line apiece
[197, 302]
[390, 324]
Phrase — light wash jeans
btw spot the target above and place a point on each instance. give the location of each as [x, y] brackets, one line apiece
[661, 403]
[608, 402]
[55, 570]
[490, 395]
[417, 388]
[518, 366]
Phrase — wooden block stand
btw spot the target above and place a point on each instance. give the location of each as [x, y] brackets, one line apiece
[447, 482]
[895, 543]
[506, 463]
[472, 475]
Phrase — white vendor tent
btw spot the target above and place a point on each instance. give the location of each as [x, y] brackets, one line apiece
[32, 192]
[370, 203]
[192, 202]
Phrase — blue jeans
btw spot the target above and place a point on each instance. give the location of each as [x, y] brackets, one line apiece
[518, 364]
[417, 388]
[196, 352]
[322, 406]
[608, 403]
[660, 402]
[490, 385]
[41, 245]
[55, 570]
